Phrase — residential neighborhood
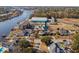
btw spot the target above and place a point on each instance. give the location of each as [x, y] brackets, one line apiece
[42, 30]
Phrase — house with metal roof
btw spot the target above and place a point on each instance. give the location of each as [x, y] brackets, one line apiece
[39, 19]
[40, 22]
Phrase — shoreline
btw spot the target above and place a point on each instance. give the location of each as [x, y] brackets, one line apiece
[18, 22]
[10, 16]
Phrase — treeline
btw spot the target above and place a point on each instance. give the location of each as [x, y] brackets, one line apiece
[59, 12]
[7, 13]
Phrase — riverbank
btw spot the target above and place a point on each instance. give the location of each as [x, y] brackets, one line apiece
[10, 15]
[6, 26]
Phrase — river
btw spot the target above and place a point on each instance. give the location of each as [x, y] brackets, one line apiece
[6, 26]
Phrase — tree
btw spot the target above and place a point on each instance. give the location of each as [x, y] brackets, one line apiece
[24, 44]
[49, 16]
[27, 50]
[46, 40]
[75, 43]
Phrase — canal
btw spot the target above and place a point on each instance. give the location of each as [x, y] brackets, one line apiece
[6, 26]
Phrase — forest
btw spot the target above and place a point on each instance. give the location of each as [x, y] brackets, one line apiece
[59, 12]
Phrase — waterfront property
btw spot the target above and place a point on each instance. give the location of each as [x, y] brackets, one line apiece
[37, 34]
[6, 26]
[40, 22]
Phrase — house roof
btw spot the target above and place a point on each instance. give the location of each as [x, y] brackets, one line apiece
[39, 19]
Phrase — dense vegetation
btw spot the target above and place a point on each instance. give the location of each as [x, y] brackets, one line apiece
[75, 45]
[46, 40]
[59, 12]
[8, 13]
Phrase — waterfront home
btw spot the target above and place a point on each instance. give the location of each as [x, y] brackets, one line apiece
[26, 27]
[40, 22]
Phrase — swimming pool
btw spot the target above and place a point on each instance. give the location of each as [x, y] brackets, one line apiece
[2, 49]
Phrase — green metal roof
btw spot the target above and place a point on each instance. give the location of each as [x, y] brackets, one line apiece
[39, 19]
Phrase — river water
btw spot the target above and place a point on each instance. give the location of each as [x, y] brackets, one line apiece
[6, 26]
